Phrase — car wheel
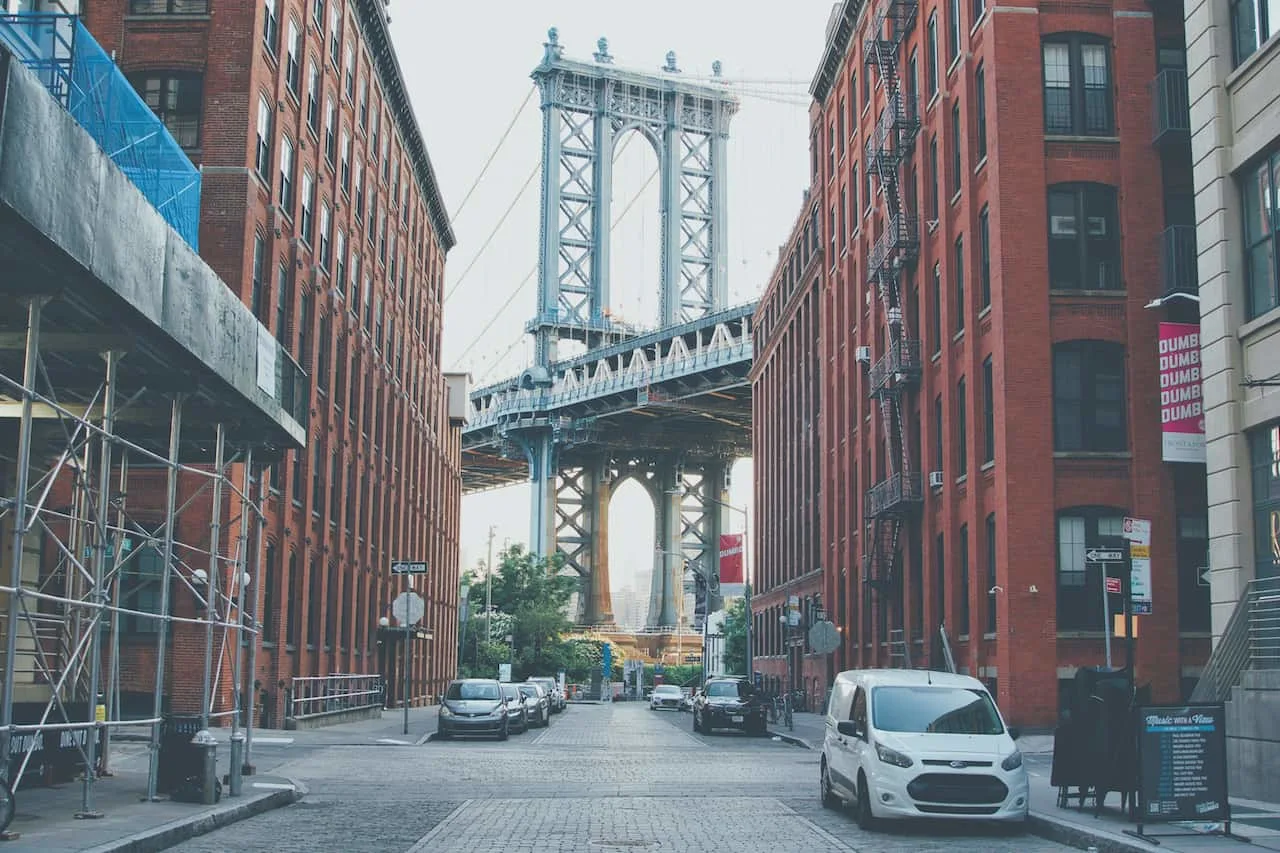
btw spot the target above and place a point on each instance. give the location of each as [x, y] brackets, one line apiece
[866, 820]
[829, 799]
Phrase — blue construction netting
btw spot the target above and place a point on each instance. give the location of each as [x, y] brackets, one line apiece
[85, 80]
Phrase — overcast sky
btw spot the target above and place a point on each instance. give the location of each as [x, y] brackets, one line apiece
[467, 67]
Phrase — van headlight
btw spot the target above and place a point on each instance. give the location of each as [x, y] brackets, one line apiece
[1013, 761]
[892, 756]
[445, 712]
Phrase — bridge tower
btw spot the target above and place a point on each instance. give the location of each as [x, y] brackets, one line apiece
[586, 108]
[893, 502]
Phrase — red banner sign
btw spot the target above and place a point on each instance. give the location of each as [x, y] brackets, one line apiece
[1181, 404]
[731, 559]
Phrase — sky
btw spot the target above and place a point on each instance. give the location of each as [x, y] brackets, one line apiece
[467, 67]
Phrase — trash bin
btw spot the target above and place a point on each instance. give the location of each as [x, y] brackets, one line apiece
[180, 759]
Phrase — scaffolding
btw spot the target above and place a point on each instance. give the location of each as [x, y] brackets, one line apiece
[79, 555]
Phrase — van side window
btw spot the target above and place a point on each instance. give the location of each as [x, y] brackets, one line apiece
[859, 712]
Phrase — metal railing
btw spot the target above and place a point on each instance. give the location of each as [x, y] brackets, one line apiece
[1172, 106]
[1178, 265]
[312, 696]
[894, 494]
[1251, 641]
[901, 360]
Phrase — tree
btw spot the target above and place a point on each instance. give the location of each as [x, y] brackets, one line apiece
[734, 631]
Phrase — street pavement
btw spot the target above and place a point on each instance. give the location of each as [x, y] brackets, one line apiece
[601, 779]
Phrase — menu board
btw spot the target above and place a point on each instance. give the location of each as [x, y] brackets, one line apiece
[1183, 763]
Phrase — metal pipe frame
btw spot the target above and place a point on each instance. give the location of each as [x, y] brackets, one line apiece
[66, 599]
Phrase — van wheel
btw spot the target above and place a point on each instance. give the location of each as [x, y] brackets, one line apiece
[866, 820]
[829, 799]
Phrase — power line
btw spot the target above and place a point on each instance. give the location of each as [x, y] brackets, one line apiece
[487, 240]
[496, 149]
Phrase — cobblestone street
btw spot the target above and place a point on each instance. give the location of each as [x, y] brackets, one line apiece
[602, 779]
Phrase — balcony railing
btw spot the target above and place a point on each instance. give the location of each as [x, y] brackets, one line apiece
[1178, 271]
[897, 495]
[900, 235]
[900, 364]
[1172, 107]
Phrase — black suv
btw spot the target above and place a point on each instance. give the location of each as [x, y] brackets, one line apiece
[729, 703]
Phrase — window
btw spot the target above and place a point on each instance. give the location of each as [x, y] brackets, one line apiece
[304, 337]
[307, 228]
[340, 255]
[935, 322]
[177, 100]
[350, 63]
[330, 131]
[313, 97]
[1261, 225]
[271, 27]
[939, 580]
[958, 277]
[962, 578]
[1252, 23]
[843, 132]
[263, 154]
[988, 412]
[1077, 86]
[1088, 397]
[259, 285]
[991, 573]
[962, 429]
[956, 137]
[1084, 240]
[364, 95]
[931, 54]
[141, 589]
[345, 161]
[913, 86]
[168, 7]
[322, 356]
[1264, 451]
[937, 434]
[1193, 564]
[335, 35]
[359, 179]
[292, 68]
[980, 107]
[314, 595]
[282, 304]
[933, 178]
[844, 216]
[286, 176]
[953, 30]
[984, 254]
[324, 236]
[979, 6]
[269, 582]
[1080, 582]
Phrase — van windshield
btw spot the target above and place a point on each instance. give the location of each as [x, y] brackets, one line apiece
[934, 710]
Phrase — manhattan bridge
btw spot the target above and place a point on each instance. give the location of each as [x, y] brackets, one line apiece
[668, 408]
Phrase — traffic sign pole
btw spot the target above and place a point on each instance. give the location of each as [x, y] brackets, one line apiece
[1106, 614]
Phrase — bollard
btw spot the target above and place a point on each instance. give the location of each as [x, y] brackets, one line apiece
[209, 763]
[237, 762]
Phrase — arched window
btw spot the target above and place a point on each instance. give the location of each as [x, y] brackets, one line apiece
[1089, 397]
[1080, 582]
[1077, 85]
[1084, 237]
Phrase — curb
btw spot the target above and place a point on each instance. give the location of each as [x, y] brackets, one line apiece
[1081, 837]
[167, 835]
[791, 739]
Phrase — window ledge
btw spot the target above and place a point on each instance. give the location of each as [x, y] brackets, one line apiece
[1266, 318]
[1120, 293]
[977, 25]
[962, 479]
[955, 199]
[989, 636]
[982, 164]
[933, 99]
[964, 638]
[1075, 139]
[937, 355]
[955, 63]
[267, 644]
[1251, 60]
[984, 312]
[168, 17]
[987, 466]
[1083, 635]
[957, 337]
[1092, 454]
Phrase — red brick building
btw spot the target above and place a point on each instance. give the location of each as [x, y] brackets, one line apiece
[1038, 211]
[321, 209]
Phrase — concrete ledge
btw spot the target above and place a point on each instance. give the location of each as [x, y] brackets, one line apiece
[224, 814]
[1083, 837]
[332, 718]
[794, 740]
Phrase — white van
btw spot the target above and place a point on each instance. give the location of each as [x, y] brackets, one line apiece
[908, 743]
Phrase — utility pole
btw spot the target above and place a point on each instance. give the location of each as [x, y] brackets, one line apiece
[488, 587]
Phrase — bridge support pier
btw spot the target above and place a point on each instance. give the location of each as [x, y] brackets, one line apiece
[541, 451]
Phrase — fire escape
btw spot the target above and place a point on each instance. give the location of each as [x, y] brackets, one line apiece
[891, 502]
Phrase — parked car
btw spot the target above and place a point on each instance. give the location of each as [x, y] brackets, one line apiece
[665, 696]
[908, 743]
[473, 706]
[729, 703]
[516, 710]
[537, 705]
[554, 693]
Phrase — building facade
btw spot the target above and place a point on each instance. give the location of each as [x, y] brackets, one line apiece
[322, 211]
[1233, 53]
[988, 365]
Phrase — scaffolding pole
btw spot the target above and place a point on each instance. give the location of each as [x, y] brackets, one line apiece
[211, 591]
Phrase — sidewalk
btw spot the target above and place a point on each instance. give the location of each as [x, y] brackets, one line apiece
[45, 818]
[1260, 822]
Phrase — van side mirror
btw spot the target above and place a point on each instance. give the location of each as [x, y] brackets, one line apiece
[849, 728]
[1015, 732]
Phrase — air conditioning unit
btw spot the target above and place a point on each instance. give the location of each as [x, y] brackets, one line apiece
[863, 355]
[935, 480]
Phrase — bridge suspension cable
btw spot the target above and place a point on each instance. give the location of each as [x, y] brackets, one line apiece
[487, 240]
[520, 287]
[485, 168]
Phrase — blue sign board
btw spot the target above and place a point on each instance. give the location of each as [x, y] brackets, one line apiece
[607, 652]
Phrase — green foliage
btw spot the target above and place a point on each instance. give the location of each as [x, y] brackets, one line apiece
[684, 675]
[735, 637]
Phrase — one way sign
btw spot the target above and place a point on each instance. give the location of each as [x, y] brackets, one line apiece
[1093, 555]
[405, 567]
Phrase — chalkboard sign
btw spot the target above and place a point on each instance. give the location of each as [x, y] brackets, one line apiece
[1183, 763]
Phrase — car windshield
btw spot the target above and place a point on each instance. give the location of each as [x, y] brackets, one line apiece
[472, 690]
[528, 690]
[667, 690]
[934, 710]
[511, 691]
[723, 688]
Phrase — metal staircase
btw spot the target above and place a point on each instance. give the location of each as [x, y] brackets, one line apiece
[891, 502]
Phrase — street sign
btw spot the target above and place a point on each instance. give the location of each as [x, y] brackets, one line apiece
[408, 608]
[606, 655]
[1137, 530]
[405, 567]
[504, 672]
[1139, 551]
[1093, 555]
[1113, 585]
[1182, 764]
[824, 638]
